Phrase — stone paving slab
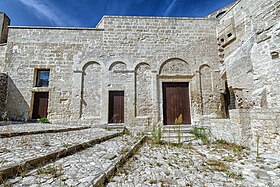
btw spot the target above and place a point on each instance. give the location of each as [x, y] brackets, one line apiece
[16, 150]
[196, 165]
[79, 169]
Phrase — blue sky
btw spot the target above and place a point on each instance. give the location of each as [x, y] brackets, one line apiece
[87, 13]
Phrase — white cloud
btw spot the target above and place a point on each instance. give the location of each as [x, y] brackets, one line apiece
[47, 11]
[169, 8]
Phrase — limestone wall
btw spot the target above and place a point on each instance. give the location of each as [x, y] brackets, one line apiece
[130, 54]
[248, 38]
[54, 48]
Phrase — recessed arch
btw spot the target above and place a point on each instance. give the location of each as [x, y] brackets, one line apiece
[175, 66]
[88, 64]
[91, 90]
[118, 66]
[143, 89]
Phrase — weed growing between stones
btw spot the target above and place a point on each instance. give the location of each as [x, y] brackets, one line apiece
[43, 120]
[54, 171]
[217, 165]
[179, 121]
[157, 134]
[66, 145]
[200, 133]
[237, 149]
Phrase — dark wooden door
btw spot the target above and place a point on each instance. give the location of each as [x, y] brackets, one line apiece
[175, 102]
[40, 106]
[116, 107]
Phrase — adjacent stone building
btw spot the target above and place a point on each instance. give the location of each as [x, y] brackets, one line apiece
[221, 71]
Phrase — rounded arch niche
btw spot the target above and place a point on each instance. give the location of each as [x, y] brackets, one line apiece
[175, 66]
[91, 90]
[143, 90]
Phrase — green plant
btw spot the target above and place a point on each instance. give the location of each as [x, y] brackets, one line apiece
[228, 158]
[157, 134]
[52, 170]
[234, 175]
[200, 133]
[42, 120]
[66, 145]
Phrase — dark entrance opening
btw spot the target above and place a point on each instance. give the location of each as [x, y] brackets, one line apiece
[176, 102]
[40, 106]
[116, 107]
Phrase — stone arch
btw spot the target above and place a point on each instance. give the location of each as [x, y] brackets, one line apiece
[205, 72]
[143, 89]
[175, 66]
[80, 66]
[118, 66]
[117, 72]
[91, 90]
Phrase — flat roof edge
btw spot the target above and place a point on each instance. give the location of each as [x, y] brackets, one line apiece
[54, 28]
[157, 17]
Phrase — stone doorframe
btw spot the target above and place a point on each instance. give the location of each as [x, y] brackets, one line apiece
[174, 70]
[162, 79]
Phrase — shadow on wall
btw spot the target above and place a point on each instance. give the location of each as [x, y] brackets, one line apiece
[17, 107]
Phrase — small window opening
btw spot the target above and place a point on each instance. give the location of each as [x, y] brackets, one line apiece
[229, 35]
[220, 14]
[42, 77]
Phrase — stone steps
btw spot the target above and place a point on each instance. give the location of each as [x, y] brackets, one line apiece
[22, 153]
[23, 133]
[176, 133]
[115, 127]
[90, 167]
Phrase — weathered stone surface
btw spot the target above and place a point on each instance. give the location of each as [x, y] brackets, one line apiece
[196, 165]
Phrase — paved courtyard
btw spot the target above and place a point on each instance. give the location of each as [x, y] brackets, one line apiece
[193, 163]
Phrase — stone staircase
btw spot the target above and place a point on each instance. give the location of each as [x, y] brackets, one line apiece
[83, 156]
[115, 126]
[176, 133]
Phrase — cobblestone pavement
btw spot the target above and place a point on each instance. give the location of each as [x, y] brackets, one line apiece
[195, 164]
[20, 148]
[27, 127]
[79, 169]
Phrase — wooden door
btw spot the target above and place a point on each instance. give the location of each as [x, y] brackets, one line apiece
[40, 106]
[116, 107]
[175, 102]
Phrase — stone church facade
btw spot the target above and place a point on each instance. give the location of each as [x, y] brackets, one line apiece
[221, 71]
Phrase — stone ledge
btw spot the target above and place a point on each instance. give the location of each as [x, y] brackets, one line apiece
[109, 173]
[32, 163]
[12, 134]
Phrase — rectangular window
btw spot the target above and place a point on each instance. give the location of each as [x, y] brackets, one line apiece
[42, 77]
